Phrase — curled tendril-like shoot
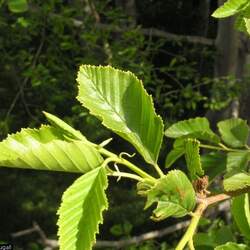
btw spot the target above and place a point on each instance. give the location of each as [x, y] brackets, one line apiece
[127, 154]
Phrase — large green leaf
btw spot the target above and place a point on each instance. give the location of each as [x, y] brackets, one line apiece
[18, 6]
[213, 163]
[237, 182]
[67, 130]
[237, 161]
[174, 195]
[193, 128]
[234, 132]
[177, 151]
[120, 101]
[241, 213]
[232, 246]
[81, 210]
[48, 149]
[192, 155]
[230, 7]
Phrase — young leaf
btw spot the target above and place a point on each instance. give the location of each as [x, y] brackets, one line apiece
[230, 7]
[192, 156]
[81, 210]
[234, 132]
[174, 195]
[241, 213]
[18, 6]
[232, 246]
[213, 163]
[237, 182]
[237, 161]
[177, 151]
[120, 101]
[66, 129]
[193, 128]
[47, 149]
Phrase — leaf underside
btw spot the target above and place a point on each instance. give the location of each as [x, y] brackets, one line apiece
[120, 101]
[48, 149]
[81, 210]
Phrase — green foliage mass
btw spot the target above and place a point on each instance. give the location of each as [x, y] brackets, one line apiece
[42, 44]
[84, 201]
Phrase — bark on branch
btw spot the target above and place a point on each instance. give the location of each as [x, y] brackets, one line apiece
[153, 32]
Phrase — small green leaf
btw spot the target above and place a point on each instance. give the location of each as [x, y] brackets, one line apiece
[232, 246]
[81, 210]
[192, 155]
[18, 6]
[66, 129]
[234, 132]
[174, 195]
[230, 7]
[241, 213]
[213, 163]
[177, 151]
[237, 182]
[193, 128]
[120, 101]
[237, 161]
[48, 149]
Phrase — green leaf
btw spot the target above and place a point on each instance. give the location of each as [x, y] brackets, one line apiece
[66, 129]
[237, 182]
[213, 164]
[174, 195]
[232, 246]
[241, 213]
[237, 161]
[193, 128]
[177, 151]
[230, 7]
[242, 20]
[47, 149]
[18, 6]
[192, 155]
[234, 132]
[214, 237]
[120, 101]
[81, 210]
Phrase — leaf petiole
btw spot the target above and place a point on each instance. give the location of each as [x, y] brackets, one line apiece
[126, 175]
[115, 158]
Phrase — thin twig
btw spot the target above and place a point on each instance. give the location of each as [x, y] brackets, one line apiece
[52, 244]
[26, 79]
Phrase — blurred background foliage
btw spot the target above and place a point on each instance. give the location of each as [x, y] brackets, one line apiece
[42, 44]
